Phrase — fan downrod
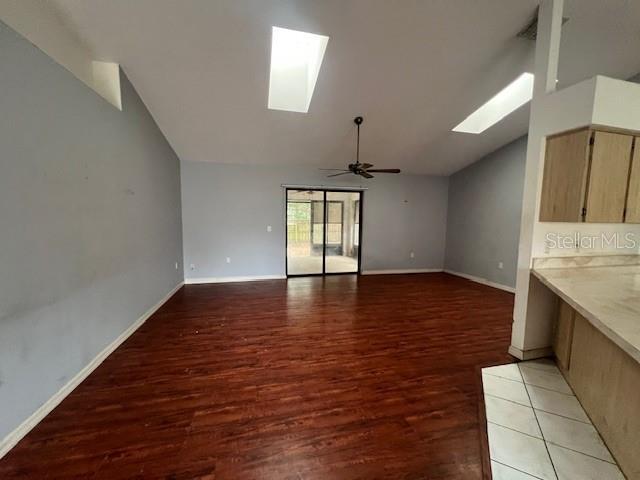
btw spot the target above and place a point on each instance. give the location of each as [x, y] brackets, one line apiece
[362, 169]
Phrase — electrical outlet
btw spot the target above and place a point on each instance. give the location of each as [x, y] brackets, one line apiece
[269, 228]
[500, 265]
[228, 259]
[192, 266]
[412, 255]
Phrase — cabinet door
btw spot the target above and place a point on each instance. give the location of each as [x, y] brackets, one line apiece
[565, 177]
[608, 177]
[606, 380]
[633, 197]
[563, 337]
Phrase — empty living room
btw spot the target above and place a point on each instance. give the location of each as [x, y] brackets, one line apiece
[320, 239]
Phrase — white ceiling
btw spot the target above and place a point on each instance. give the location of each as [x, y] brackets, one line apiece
[412, 68]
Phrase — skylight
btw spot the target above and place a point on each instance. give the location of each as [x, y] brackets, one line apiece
[510, 98]
[296, 58]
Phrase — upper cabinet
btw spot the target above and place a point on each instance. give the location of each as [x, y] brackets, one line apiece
[588, 177]
[565, 177]
[608, 177]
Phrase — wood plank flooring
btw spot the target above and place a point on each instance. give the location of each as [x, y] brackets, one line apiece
[338, 378]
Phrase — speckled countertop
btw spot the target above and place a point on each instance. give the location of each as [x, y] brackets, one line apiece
[608, 296]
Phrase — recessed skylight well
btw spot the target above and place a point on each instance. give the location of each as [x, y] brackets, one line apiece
[296, 58]
[512, 97]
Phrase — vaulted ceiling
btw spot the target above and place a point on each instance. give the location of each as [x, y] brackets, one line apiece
[412, 68]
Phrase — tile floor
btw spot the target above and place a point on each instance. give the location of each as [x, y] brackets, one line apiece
[537, 428]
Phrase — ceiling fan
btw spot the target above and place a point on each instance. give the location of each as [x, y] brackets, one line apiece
[362, 169]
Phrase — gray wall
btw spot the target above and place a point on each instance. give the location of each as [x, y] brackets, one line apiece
[226, 210]
[483, 224]
[90, 224]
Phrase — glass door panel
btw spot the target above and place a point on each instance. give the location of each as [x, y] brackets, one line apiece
[342, 240]
[323, 232]
[305, 232]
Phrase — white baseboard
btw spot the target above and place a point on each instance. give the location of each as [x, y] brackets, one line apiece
[530, 354]
[196, 281]
[481, 280]
[25, 427]
[410, 270]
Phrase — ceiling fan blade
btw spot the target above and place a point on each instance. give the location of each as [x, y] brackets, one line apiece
[365, 174]
[338, 174]
[385, 170]
[365, 166]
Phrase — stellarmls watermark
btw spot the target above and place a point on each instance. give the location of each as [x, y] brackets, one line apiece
[600, 241]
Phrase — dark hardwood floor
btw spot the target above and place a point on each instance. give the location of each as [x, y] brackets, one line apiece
[336, 378]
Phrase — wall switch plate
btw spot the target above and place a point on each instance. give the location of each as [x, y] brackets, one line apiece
[228, 259]
[192, 266]
[412, 255]
[176, 265]
[500, 265]
[268, 228]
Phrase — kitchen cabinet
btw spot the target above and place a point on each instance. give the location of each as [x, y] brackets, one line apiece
[608, 177]
[565, 177]
[563, 334]
[587, 177]
[633, 198]
[605, 379]
[607, 382]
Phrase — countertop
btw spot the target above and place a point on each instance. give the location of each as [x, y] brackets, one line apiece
[607, 296]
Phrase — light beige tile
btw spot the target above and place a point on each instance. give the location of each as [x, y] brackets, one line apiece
[502, 472]
[507, 389]
[573, 434]
[544, 364]
[520, 451]
[575, 466]
[512, 415]
[540, 378]
[510, 371]
[558, 403]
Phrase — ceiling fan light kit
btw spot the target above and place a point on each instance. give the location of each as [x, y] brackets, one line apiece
[362, 169]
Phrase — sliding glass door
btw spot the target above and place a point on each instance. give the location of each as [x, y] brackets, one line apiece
[305, 232]
[323, 232]
[342, 245]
